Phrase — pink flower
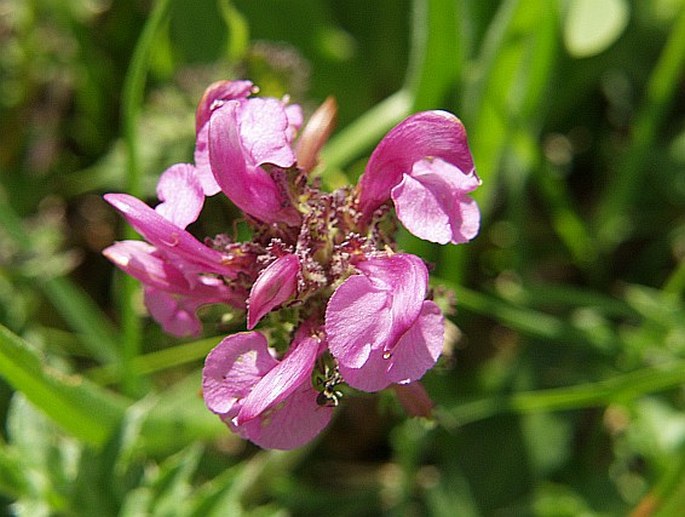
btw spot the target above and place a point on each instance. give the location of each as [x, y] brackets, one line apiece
[216, 94]
[170, 239]
[171, 295]
[269, 402]
[379, 327]
[432, 204]
[274, 285]
[180, 274]
[245, 136]
[176, 314]
[425, 166]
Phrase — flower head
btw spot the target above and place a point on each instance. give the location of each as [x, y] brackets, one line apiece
[348, 310]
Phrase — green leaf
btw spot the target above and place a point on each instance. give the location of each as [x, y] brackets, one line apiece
[592, 26]
[80, 407]
[632, 169]
[527, 321]
[215, 498]
[13, 482]
[618, 388]
[159, 360]
[238, 31]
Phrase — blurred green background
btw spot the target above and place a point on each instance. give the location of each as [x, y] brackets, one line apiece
[563, 394]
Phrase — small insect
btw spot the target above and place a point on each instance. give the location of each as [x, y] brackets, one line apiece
[326, 382]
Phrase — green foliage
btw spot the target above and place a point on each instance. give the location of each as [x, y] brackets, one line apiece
[560, 393]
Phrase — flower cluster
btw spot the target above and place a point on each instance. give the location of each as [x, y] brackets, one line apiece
[355, 309]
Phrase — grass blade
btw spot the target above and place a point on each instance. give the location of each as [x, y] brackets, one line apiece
[80, 407]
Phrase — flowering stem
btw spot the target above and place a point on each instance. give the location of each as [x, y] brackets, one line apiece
[132, 100]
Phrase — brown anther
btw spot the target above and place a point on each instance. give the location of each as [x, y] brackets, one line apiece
[315, 134]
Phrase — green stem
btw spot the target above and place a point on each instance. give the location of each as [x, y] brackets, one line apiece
[531, 322]
[615, 389]
[157, 361]
[132, 101]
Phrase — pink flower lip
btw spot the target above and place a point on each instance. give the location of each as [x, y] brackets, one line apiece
[280, 382]
[425, 166]
[431, 201]
[237, 148]
[379, 327]
[181, 194]
[266, 401]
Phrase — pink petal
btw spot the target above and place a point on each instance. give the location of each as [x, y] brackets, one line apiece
[270, 403]
[215, 94]
[418, 349]
[176, 315]
[379, 327]
[414, 399]
[142, 261]
[293, 113]
[168, 237]
[251, 188]
[275, 284]
[433, 204]
[420, 211]
[429, 134]
[371, 376]
[405, 278]
[358, 319]
[266, 132]
[181, 194]
[232, 368]
[203, 169]
[415, 352]
[292, 423]
[293, 371]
